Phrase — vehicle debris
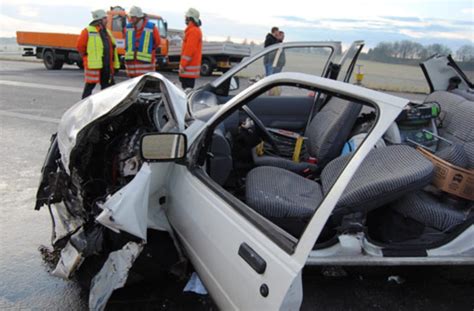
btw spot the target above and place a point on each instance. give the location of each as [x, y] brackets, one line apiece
[50, 256]
[396, 279]
[195, 285]
[127, 209]
[113, 275]
[333, 272]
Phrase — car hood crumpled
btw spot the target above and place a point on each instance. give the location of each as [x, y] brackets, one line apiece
[110, 102]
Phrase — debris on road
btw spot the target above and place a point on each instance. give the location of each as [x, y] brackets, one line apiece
[195, 285]
[397, 279]
[333, 272]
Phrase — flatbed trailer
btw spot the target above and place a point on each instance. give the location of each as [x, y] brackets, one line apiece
[54, 49]
[216, 56]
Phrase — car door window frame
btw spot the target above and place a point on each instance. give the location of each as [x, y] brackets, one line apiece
[358, 46]
[221, 84]
[450, 63]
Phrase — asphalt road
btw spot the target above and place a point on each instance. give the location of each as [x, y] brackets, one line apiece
[31, 103]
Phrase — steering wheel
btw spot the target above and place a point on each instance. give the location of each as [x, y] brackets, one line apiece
[262, 129]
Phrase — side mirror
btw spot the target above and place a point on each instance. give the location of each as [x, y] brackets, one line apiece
[234, 84]
[163, 147]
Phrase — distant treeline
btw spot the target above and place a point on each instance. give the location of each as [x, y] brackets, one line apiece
[411, 53]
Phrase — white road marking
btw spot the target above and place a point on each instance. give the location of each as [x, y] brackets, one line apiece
[42, 86]
[28, 116]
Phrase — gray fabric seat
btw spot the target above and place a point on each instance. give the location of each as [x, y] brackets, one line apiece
[455, 155]
[385, 175]
[457, 115]
[429, 210]
[275, 192]
[326, 133]
[457, 126]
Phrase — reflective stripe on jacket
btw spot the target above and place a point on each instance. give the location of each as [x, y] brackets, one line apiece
[191, 52]
[92, 75]
[146, 45]
[136, 68]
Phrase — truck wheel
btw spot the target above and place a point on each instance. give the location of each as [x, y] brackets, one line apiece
[51, 62]
[206, 68]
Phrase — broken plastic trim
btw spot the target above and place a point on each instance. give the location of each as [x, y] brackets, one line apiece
[113, 275]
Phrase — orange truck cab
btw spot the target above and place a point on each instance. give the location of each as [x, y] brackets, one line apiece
[57, 49]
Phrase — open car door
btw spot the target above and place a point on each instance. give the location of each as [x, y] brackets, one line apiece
[443, 74]
[246, 261]
[323, 59]
[347, 61]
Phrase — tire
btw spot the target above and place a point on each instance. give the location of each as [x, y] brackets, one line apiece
[80, 65]
[206, 68]
[51, 62]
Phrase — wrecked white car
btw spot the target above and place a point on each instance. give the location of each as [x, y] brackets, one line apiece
[251, 179]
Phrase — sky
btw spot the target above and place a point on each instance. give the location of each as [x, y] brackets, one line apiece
[449, 22]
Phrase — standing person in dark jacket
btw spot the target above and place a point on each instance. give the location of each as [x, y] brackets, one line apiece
[96, 45]
[282, 58]
[270, 39]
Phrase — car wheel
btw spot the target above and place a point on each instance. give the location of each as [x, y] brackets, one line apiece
[51, 62]
[206, 68]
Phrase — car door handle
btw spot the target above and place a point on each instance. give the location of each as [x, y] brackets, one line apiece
[252, 258]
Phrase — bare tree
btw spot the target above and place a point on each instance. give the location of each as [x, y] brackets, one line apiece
[437, 48]
[465, 53]
[408, 51]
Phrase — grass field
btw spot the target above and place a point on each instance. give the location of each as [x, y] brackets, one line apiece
[380, 76]
[393, 77]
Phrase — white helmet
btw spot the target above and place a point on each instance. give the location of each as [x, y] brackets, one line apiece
[193, 14]
[98, 14]
[136, 12]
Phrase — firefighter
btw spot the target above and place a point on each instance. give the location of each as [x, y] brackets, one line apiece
[191, 52]
[96, 45]
[141, 40]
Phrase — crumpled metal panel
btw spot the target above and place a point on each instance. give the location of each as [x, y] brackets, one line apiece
[127, 209]
[113, 275]
[64, 223]
[112, 100]
[70, 260]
